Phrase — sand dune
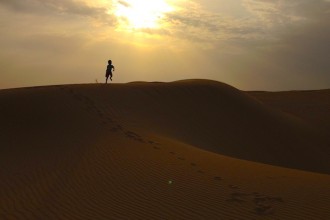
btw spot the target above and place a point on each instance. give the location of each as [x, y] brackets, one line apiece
[158, 151]
[312, 106]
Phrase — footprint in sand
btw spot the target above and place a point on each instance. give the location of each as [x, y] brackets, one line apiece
[116, 128]
[109, 120]
[88, 100]
[91, 106]
[100, 113]
[78, 97]
[134, 136]
[237, 197]
[153, 142]
[264, 205]
[264, 209]
[233, 186]
[89, 103]
[218, 178]
[261, 198]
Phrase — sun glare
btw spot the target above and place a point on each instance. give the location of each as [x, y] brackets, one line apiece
[139, 14]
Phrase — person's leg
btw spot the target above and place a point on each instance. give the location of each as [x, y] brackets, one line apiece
[106, 80]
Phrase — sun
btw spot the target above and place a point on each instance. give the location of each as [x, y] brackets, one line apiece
[140, 14]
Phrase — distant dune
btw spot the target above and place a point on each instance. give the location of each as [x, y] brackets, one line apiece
[312, 106]
[192, 149]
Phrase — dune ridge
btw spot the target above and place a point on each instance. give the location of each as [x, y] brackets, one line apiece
[217, 117]
[156, 151]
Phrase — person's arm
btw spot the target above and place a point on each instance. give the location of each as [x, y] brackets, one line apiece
[113, 68]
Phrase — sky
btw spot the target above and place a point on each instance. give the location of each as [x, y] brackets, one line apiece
[267, 45]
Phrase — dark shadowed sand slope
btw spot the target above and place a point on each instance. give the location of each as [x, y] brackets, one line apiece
[312, 106]
[191, 149]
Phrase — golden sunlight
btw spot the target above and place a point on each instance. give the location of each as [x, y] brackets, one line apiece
[141, 14]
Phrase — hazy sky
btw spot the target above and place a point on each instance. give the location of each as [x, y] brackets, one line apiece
[250, 44]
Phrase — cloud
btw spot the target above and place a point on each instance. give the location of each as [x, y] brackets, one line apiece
[198, 25]
[58, 7]
[284, 12]
[282, 44]
[266, 21]
[298, 52]
[124, 3]
[45, 40]
[303, 36]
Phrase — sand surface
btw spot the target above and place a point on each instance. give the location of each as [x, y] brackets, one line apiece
[192, 149]
[312, 106]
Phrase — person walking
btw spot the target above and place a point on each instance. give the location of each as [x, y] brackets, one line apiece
[108, 73]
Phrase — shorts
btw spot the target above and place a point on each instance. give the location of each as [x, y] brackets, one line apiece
[108, 74]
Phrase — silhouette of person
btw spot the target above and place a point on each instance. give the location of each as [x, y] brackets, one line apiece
[108, 73]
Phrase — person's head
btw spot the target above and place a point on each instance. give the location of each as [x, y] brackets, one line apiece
[109, 61]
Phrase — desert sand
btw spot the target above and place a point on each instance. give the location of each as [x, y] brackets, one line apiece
[192, 149]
